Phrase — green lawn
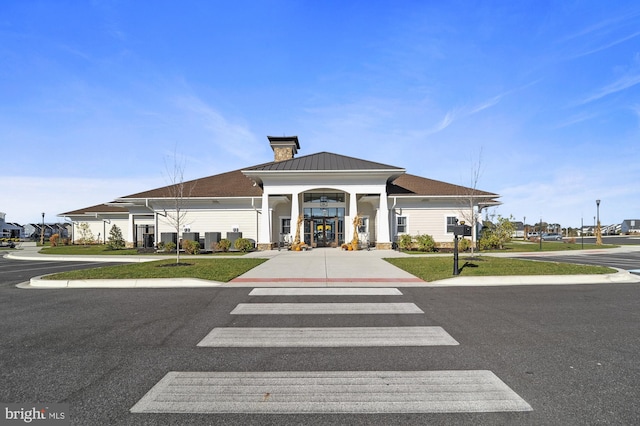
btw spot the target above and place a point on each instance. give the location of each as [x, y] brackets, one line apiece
[101, 249]
[214, 269]
[526, 246]
[438, 268]
[530, 247]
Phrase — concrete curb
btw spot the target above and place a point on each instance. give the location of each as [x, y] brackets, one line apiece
[620, 277]
[38, 282]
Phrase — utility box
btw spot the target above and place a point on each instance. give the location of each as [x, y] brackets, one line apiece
[211, 238]
[233, 236]
[191, 236]
[462, 230]
[169, 237]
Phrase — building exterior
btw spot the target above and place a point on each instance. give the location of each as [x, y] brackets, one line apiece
[630, 226]
[317, 195]
[9, 230]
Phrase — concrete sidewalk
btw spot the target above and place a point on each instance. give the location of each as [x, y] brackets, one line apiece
[324, 267]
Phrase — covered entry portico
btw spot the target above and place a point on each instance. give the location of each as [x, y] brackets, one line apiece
[326, 191]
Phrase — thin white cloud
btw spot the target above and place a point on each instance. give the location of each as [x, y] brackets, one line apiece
[607, 46]
[234, 138]
[621, 84]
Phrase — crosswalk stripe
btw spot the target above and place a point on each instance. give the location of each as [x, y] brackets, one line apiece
[327, 337]
[324, 308]
[331, 392]
[325, 291]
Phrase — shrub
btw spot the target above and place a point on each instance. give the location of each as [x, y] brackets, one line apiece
[54, 240]
[224, 245]
[170, 246]
[464, 244]
[243, 244]
[191, 247]
[405, 241]
[116, 241]
[426, 243]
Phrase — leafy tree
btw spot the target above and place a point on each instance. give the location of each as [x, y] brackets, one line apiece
[495, 236]
[116, 240]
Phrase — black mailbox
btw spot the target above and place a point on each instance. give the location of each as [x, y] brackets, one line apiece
[462, 230]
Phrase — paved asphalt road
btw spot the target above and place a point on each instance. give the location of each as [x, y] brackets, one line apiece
[571, 352]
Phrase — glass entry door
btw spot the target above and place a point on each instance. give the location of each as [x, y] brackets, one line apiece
[323, 231]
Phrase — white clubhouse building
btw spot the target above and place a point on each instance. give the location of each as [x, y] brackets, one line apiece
[264, 203]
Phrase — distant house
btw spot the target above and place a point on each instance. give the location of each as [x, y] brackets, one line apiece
[630, 226]
[9, 230]
[518, 229]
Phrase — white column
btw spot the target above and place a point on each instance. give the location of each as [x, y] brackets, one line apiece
[353, 211]
[130, 231]
[383, 235]
[265, 223]
[295, 211]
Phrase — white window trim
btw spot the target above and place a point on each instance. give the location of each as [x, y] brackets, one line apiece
[446, 223]
[406, 224]
[280, 219]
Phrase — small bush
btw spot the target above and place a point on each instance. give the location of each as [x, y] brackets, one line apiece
[405, 242]
[170, 246]
[464, 244]
[243, 244]
[426, 243]
[191, 247]
[54, 240]
[224, 245]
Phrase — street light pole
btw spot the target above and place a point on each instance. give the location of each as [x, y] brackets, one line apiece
[598, 229]
[42, 231]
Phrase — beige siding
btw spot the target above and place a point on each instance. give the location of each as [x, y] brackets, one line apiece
[431, 220]
[220, 220]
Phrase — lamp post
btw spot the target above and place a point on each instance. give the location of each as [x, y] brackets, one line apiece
[540, 233]
[42, 231]
[598, 229]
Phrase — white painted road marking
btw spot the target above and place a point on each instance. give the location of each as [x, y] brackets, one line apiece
[324, 308]
[327, 337]
[331, 392]
[325, 291]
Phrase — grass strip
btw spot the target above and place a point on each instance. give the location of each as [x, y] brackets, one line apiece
[220, 269]
[438, 268]
[102, 250]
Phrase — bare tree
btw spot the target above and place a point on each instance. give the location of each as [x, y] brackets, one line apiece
[178, 191]
[470, 197]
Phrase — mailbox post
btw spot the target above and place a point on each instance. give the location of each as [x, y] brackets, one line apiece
[461, 230]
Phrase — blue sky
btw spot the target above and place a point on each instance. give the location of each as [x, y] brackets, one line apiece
[543, 97]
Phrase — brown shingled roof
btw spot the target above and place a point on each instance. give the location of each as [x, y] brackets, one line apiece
[98, 208]
[408, 184]
[229, 184]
